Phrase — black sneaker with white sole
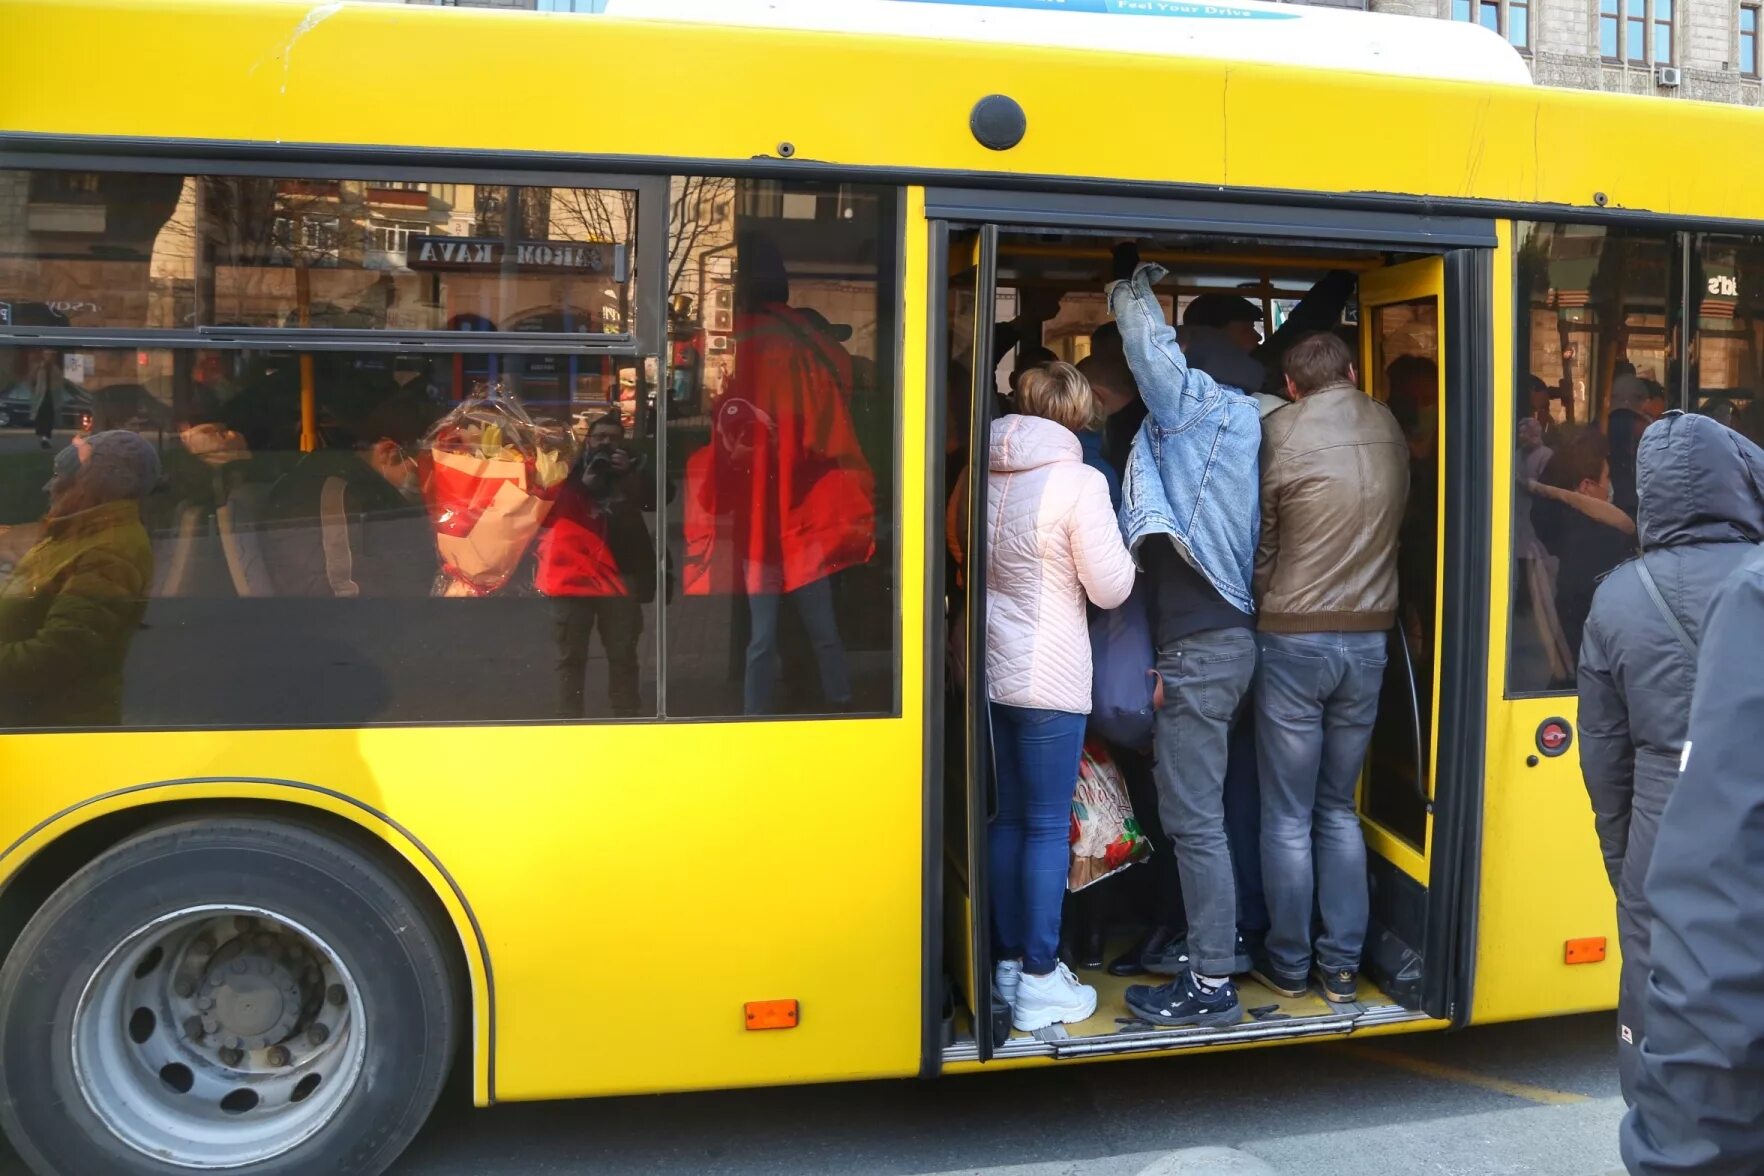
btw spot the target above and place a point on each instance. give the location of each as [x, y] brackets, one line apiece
[1340, 986]
[1182, 1002]
[1172, 959]
[1267, 975]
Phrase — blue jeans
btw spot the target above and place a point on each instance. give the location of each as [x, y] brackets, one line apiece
[1243, 829]
[1028, 842]
[1205, 675]
[1316, 699]
[814, 607]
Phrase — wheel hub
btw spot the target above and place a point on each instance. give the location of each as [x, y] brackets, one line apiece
[214, 1037]
[255, 988]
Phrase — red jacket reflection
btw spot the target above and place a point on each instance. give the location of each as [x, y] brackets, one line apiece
[782, 495]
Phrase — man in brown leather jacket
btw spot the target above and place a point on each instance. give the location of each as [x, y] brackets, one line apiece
[1335, 478]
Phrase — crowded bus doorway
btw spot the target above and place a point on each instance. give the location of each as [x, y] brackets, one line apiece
[1014, 298]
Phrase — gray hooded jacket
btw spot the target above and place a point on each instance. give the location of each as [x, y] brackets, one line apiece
[1701, 1071]
[1701, 491]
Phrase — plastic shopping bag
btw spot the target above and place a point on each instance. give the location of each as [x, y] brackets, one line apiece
[1106, 838]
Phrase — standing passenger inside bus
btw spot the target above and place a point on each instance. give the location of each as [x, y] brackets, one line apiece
[1051, 543]
[1335, 480]
[348, 519]
[1189, 513]
[1629, 416]
[1701, 491]
[1579, 525]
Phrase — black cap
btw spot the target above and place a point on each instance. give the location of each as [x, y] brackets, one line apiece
[1220, 310]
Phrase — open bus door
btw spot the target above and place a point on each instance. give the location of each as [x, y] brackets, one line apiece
[971, 262]
[1402, 364]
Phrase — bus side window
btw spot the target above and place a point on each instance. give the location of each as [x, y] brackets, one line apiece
[784, 520]
[1598, 331]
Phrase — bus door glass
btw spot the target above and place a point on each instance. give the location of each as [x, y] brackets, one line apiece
[969, 381]
[1401, 358]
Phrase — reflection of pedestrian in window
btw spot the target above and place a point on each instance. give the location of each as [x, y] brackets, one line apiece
[597, 563]
[74, 602]
[782, 498]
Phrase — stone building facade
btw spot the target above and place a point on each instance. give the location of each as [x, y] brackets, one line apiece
[1626, 46]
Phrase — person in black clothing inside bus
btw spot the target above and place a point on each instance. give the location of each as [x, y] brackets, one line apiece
[348, 519]
[1577, 522]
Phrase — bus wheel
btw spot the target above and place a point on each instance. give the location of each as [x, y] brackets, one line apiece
[236, 993]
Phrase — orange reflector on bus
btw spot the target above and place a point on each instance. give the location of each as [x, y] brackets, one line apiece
[772, 1014]
[1586, 951]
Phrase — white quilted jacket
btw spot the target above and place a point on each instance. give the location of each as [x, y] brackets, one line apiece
[1051, 540]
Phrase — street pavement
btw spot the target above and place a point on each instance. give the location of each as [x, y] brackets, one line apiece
[1539, 1097]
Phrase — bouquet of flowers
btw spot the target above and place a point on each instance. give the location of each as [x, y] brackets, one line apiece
[1106, 837]
[490, 474]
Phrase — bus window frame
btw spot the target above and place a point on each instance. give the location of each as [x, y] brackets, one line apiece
[648, 271]
[1683, 240]
[897, 294]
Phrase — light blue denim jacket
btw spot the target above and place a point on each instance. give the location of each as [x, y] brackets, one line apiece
[1194, 473]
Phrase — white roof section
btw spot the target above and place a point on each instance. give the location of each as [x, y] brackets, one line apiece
[1248, 31]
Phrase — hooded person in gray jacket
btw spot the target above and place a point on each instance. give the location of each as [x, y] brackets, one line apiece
[1700, 1073]
[1701, 491]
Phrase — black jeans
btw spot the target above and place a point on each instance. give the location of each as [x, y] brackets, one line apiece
[621, 624]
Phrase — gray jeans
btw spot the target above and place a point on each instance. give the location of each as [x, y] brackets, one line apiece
[1206, 676]
[1316, 699]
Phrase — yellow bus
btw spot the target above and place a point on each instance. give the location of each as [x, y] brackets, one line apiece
[317, 781]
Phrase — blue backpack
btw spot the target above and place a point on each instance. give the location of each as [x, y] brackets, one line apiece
[1124, 676]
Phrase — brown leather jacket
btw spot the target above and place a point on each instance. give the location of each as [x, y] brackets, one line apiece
[1335, 478]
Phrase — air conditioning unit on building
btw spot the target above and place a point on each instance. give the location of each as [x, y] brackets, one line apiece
[1666, 75]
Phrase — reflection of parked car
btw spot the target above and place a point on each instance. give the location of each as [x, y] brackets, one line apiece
[76, 408]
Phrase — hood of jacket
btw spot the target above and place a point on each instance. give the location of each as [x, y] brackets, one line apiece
[1027, 442]
[1211, 350]
[1698, 481]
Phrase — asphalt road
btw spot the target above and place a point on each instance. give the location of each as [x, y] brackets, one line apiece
[1510, 1100]
[1532, 1098]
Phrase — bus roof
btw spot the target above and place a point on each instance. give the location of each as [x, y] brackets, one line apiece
[409, 85]
[1231, 30]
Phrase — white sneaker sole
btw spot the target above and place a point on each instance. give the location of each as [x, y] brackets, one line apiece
[1041, 1018]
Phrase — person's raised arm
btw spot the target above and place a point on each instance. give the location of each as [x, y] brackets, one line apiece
[1153, 355]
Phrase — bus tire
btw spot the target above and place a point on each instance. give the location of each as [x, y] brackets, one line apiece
[240, 993]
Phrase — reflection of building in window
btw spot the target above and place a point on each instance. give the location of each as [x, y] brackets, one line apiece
[387, 243]
[1599, 300]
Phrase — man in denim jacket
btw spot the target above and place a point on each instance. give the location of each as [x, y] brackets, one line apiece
[1190, 510]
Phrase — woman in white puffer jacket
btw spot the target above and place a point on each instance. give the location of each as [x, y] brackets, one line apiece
[1051, 542]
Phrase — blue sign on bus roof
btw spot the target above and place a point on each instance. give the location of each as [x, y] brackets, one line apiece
[1181, 8]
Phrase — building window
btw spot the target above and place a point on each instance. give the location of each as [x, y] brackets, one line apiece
[1748, 40]
[1638, 32]
[1510, 18]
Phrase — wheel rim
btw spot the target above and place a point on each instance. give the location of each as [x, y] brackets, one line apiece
[218, 1036]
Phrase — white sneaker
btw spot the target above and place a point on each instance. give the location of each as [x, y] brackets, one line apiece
[1005, 978]
[1050, 999]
